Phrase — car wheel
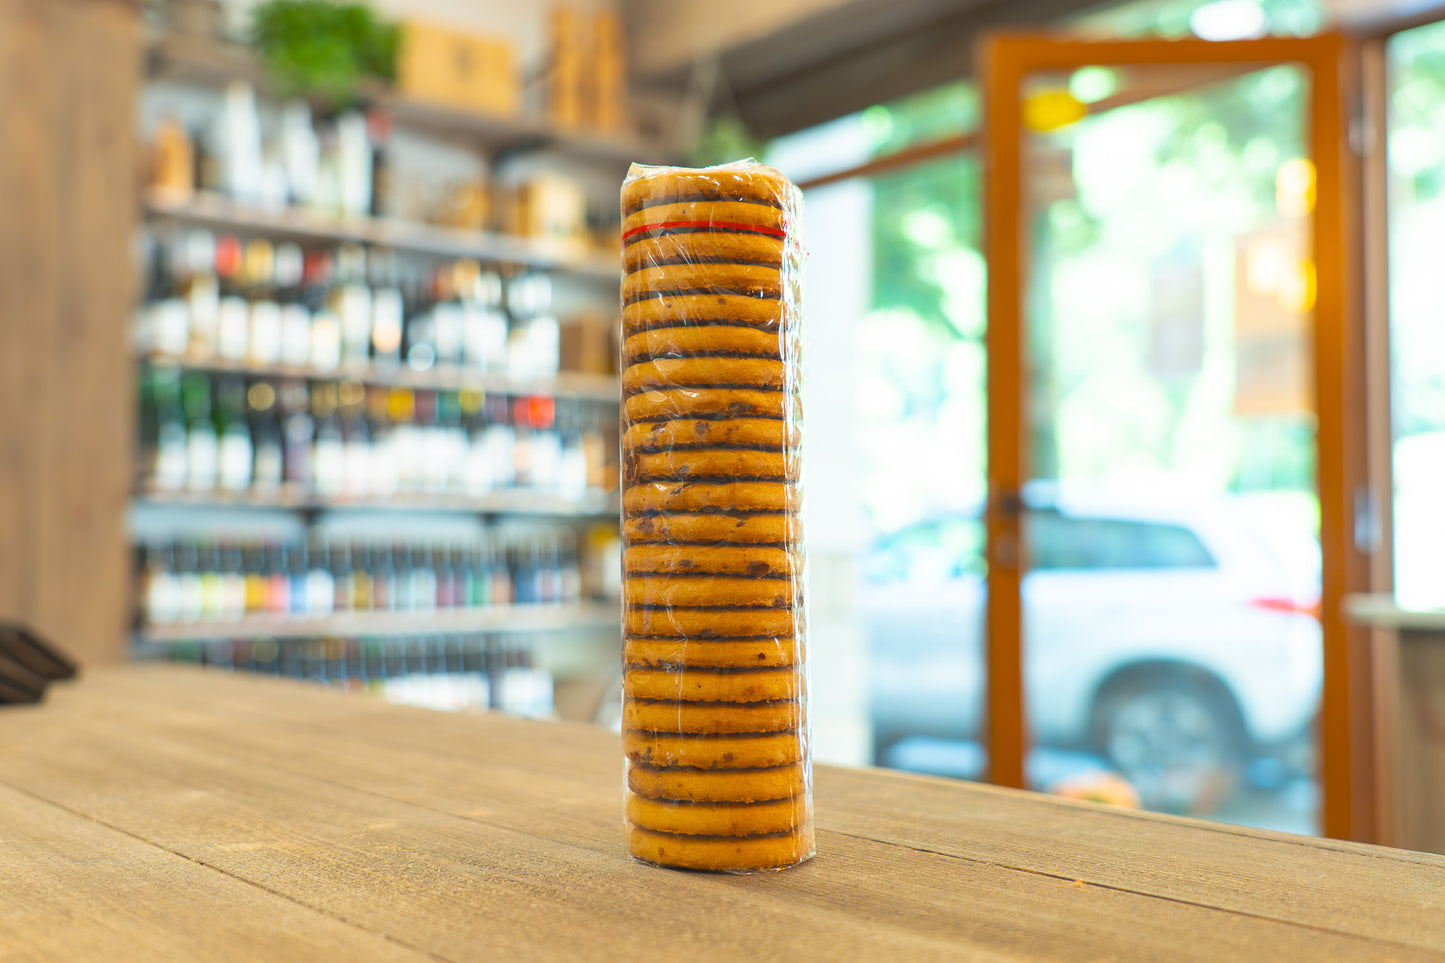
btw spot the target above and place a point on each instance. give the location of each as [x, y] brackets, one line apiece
[1177, 740]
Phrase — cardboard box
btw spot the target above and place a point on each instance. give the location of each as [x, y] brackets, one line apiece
[469, 71]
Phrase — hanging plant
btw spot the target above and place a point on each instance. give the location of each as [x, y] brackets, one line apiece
[323, 51]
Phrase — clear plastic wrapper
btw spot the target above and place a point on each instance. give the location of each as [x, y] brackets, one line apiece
[715, 724]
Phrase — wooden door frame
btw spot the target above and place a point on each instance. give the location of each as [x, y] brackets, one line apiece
[1007, 59]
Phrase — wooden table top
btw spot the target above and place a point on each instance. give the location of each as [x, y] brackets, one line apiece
[166, 813]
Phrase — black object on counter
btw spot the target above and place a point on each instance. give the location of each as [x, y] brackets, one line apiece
[32, 652]
[27, 664]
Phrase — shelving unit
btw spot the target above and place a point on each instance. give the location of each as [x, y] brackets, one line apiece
[193, 61]
[567, 385]
[499, 503]
[303, 225]
[209, 64]
[506, 618]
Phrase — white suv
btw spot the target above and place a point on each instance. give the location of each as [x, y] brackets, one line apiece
[1178, 641]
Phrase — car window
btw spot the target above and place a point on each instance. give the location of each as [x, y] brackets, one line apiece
[930, 551]
[1061, 542]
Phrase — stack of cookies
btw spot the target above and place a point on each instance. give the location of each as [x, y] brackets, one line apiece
[713, 714]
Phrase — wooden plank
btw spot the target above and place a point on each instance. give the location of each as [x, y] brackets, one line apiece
[1421, 735]
[67, 157]
[26, 294]
[462, 889]
[517, 775]
[1390, 895]
[125, 899]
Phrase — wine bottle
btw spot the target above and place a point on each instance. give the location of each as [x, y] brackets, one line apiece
[235, 454]
[268, 467]
[201, 438]
[233, 314]
[264, 347]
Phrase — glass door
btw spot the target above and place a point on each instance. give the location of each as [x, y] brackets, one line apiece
[1166, 321]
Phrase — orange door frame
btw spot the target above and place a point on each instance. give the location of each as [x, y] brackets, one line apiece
[1007, 60]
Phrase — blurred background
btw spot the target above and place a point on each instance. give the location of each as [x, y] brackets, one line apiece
[308, 313]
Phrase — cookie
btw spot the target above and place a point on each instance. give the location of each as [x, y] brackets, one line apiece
[721, 853]
[700, 652]
[703, 277]
[718, 785]
[754, 184]
[675, 310]
[713, 529]
[713, 717]
[756, 561]
[719, 340]
[693, 684]
[669, 404]
[753, 373]
[688, 623]
[707, 591]
[716, 819]
[704, 215]
[685, 496]
[711, 464]
[761, 433]
[659, 243]
[749, 751]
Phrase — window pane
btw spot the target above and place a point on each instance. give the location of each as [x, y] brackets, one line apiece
[1416, 152]
[1169, 415]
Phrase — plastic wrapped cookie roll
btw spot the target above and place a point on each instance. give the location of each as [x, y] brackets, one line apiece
[715, 723]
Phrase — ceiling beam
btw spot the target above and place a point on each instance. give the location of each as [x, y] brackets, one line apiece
[814, 60]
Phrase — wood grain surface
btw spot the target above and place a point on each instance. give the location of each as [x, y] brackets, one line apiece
[160, 812]
[69, 70]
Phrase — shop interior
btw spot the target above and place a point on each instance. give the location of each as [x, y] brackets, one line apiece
[1124, 377]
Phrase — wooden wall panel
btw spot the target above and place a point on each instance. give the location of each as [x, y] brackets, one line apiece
[69, 71]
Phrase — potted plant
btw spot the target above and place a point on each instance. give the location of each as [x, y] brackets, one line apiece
[326, 52]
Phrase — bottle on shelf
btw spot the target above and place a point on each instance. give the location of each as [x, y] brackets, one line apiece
[208, 572]
[359, 455]
[388, 309]
[383, 185]
[188, 582]
[253, 571]
[383, 578]
[320, 583]
[278, 579]
[235, 454]
[383, 454]
[300, 153]
[328, 458]
[233, 313]
[523, 447]
[164, 319]
[299, 574]
[264, 334]
[546, 443]
[205, 580]
[297, 432]
[202, 443]
[362, 598]
[290, 276]
[232, 580]
[202, 293]
[350, 301]
[484, 323]
[448, 316]
[342, 578]
[268, 467]
[160, 593]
